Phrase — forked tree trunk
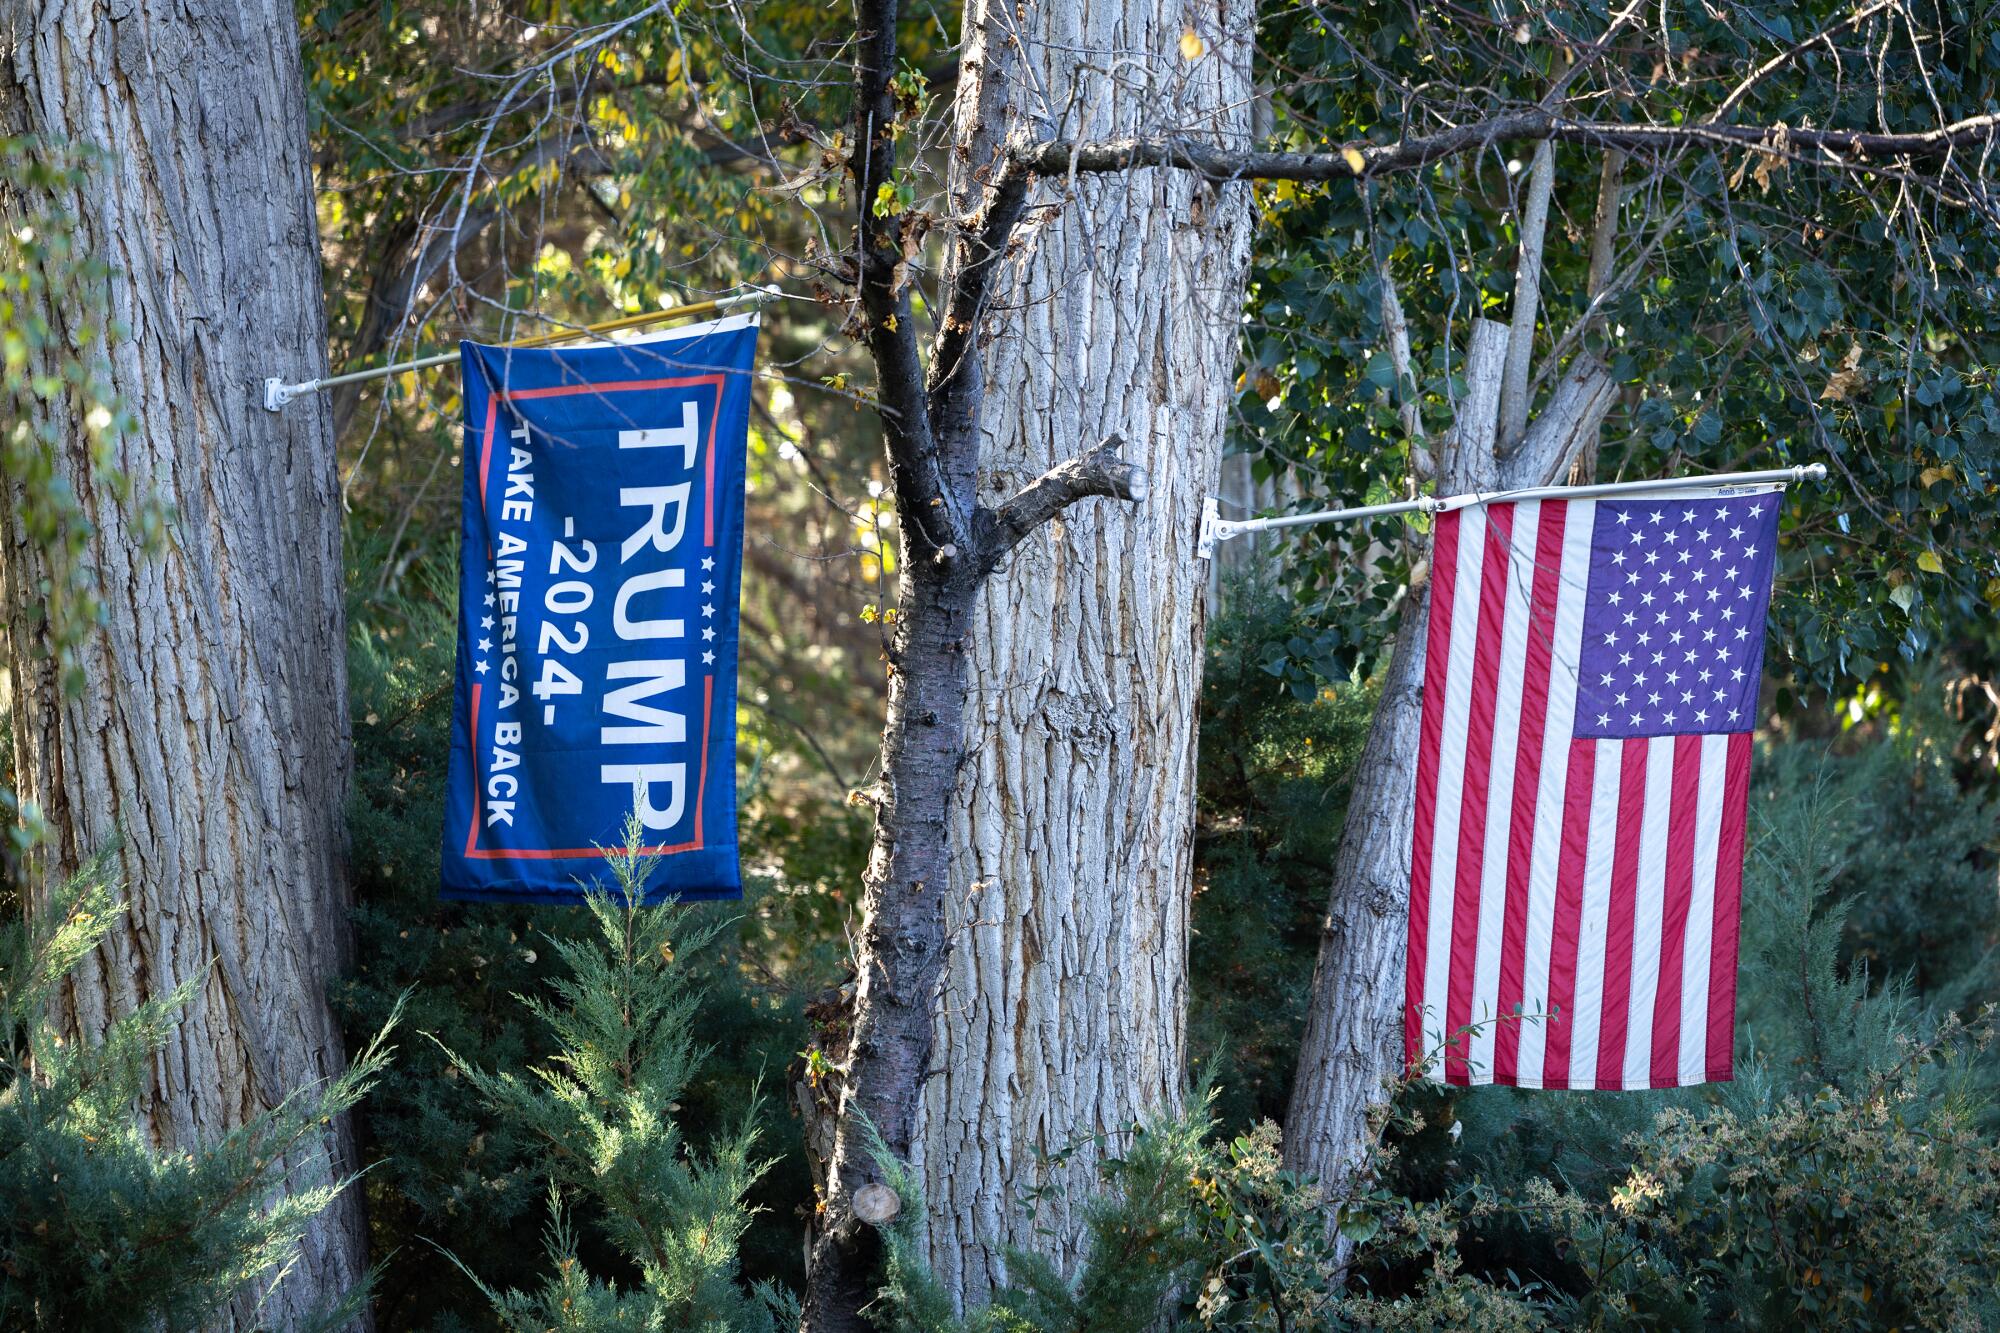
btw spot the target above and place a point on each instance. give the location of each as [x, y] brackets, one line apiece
[1063, 1009]
[212, 735]
[1352, 1046]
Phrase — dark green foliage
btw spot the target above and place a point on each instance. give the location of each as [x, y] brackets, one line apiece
[102, 1230]
[1195, 1230]
[444, 1172]
[1145, 1219]
[1273, 799]
[448, 1171]
[1875, 1208]
[1914, 854]
[1763, 311]
[602, 1118]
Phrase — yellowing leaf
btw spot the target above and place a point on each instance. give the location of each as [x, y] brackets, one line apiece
[1929, 563]
[1355, 162]
[1192, 46]
[1846, 379]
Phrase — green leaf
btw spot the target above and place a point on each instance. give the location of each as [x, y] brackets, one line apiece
[1359, 1227]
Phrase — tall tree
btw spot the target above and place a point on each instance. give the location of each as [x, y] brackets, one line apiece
[1079, 330]
[931, 413]
[1756, 295]
[210, 747]
[1060, 1021]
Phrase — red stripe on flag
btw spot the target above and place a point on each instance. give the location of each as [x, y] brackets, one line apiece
[1564, 932]
[1527, 782]
[1674, 916]
[1728, 900]
[1478, 772]
[1617, 1003]
[1437, 647]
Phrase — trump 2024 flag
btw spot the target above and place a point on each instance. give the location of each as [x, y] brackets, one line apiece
[1589, 690]
[603, 540]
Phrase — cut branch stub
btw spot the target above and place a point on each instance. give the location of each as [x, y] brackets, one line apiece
[876, 1204]
[1099, 472]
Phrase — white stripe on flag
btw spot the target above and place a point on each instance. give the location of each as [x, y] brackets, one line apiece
[1648, 912]
[1701, 911]
[1552, 789]
[1587, 1010]
[1451, 780]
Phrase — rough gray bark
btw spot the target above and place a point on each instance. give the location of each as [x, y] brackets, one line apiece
[1603, 244]
[212, 735]
[1534, 222]
[960, 518]
[1063, 1010]
[1352, 1044]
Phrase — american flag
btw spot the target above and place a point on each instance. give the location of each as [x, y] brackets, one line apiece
[1589, 688]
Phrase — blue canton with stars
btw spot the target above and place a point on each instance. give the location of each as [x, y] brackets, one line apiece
[1673, 624]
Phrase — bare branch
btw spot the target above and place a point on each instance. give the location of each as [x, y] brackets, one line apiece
[1604, 225]
[890, 330]
[1099, 472]
[1396, 332]
[1466, 459]
[1364, 160]
[1564, 430]
[1527, 295]
[955, 375]
[1742, 89]
[1603, 245]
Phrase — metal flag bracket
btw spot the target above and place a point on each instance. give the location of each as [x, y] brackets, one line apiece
[1211, 519]
[1215, 528]
[277, 393]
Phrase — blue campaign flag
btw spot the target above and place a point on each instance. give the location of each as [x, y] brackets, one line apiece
[597, 624]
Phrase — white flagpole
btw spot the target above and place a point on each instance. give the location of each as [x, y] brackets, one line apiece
[277, 393]
[1215, 528]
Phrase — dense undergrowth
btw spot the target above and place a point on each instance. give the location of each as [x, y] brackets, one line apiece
[1870, 924]
[594, 1128]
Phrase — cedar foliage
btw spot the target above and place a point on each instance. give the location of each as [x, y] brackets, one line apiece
[1279, 739]
[103, 1229]
[602, 1115]
[449, 1169]
[1769, 1197]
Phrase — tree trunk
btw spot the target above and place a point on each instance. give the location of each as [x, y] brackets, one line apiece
[212, 735]
[1351, 1050]
[1063, 1007]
